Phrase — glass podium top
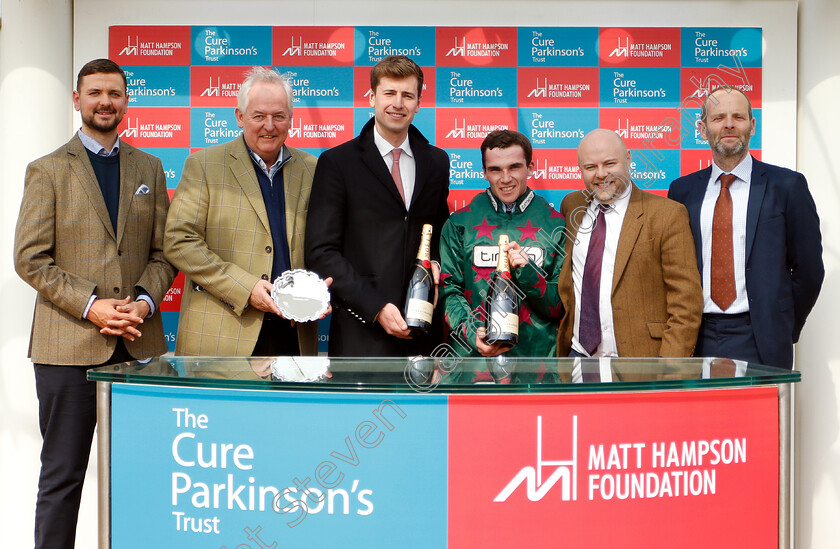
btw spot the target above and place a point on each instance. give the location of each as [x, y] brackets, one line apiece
[444, 375]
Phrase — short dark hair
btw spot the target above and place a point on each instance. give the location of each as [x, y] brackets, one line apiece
[101, 66]
[728, 89]
[396, 66]
[502, 139]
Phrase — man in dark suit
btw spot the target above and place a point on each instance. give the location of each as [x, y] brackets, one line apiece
[370, 199]
[629, 284]
[89, 239]
[757, 238]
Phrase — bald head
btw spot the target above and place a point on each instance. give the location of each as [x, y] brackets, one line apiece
[603, 159]
[602, 138]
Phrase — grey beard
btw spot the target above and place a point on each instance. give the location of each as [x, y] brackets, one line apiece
[736, 149]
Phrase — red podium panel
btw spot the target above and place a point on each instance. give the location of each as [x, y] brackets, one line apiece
[615, 470]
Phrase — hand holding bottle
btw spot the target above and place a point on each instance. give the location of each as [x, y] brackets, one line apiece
[516, 255]
[486, 349]
[393, 322]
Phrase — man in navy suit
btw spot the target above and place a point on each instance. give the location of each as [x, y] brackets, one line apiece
[758, 242]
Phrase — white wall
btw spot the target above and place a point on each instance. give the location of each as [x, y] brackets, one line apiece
[817, 409]
[35, 117]
[39, 55]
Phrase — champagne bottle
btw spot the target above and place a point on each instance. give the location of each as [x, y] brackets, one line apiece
[502, 318]
[419, 299]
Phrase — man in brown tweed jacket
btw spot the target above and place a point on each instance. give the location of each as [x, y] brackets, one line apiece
[647, 301]
[237, 221]
[89, 239]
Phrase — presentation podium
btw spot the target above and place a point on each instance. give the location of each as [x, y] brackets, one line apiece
[225, 453]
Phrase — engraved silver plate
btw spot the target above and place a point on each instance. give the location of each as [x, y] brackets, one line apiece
[301, 369]
[301, 295]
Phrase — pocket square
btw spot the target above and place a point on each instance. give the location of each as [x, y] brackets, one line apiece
[143, 189]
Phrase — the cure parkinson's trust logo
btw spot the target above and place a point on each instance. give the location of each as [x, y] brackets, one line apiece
[565, 471]
[306, 89]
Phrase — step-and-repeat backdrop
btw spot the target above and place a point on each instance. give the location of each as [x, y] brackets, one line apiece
[554, 84]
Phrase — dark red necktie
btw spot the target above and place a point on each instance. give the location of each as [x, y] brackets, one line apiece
[590, 293]
[723, 260]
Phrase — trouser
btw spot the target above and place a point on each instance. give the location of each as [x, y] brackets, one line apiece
[67, 418]
[277, 338]
[727, 336]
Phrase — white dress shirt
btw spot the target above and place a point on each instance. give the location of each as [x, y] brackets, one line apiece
[740, 192]
[600, 373]
[269, 171]
[614, 218]
[406, 162]
[93, 145]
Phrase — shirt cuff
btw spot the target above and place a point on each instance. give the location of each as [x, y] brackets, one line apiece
[89, 305]
[143, 296]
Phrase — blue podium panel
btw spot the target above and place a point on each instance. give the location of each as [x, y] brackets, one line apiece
[235, 468]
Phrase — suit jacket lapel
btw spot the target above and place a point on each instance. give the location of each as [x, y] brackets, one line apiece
[292, 183]
[758, 184]
[577, 200]
[420, 165]
[80, 164]
[694, 203]
[128, 179]
[373, 160]
[572, 225]
[242, 168]
[629, 234]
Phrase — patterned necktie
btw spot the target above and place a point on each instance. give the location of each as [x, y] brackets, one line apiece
[395, 172]
[723, 262]
[590, 294]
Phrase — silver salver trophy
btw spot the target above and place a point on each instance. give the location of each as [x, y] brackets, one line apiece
[301, 295]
